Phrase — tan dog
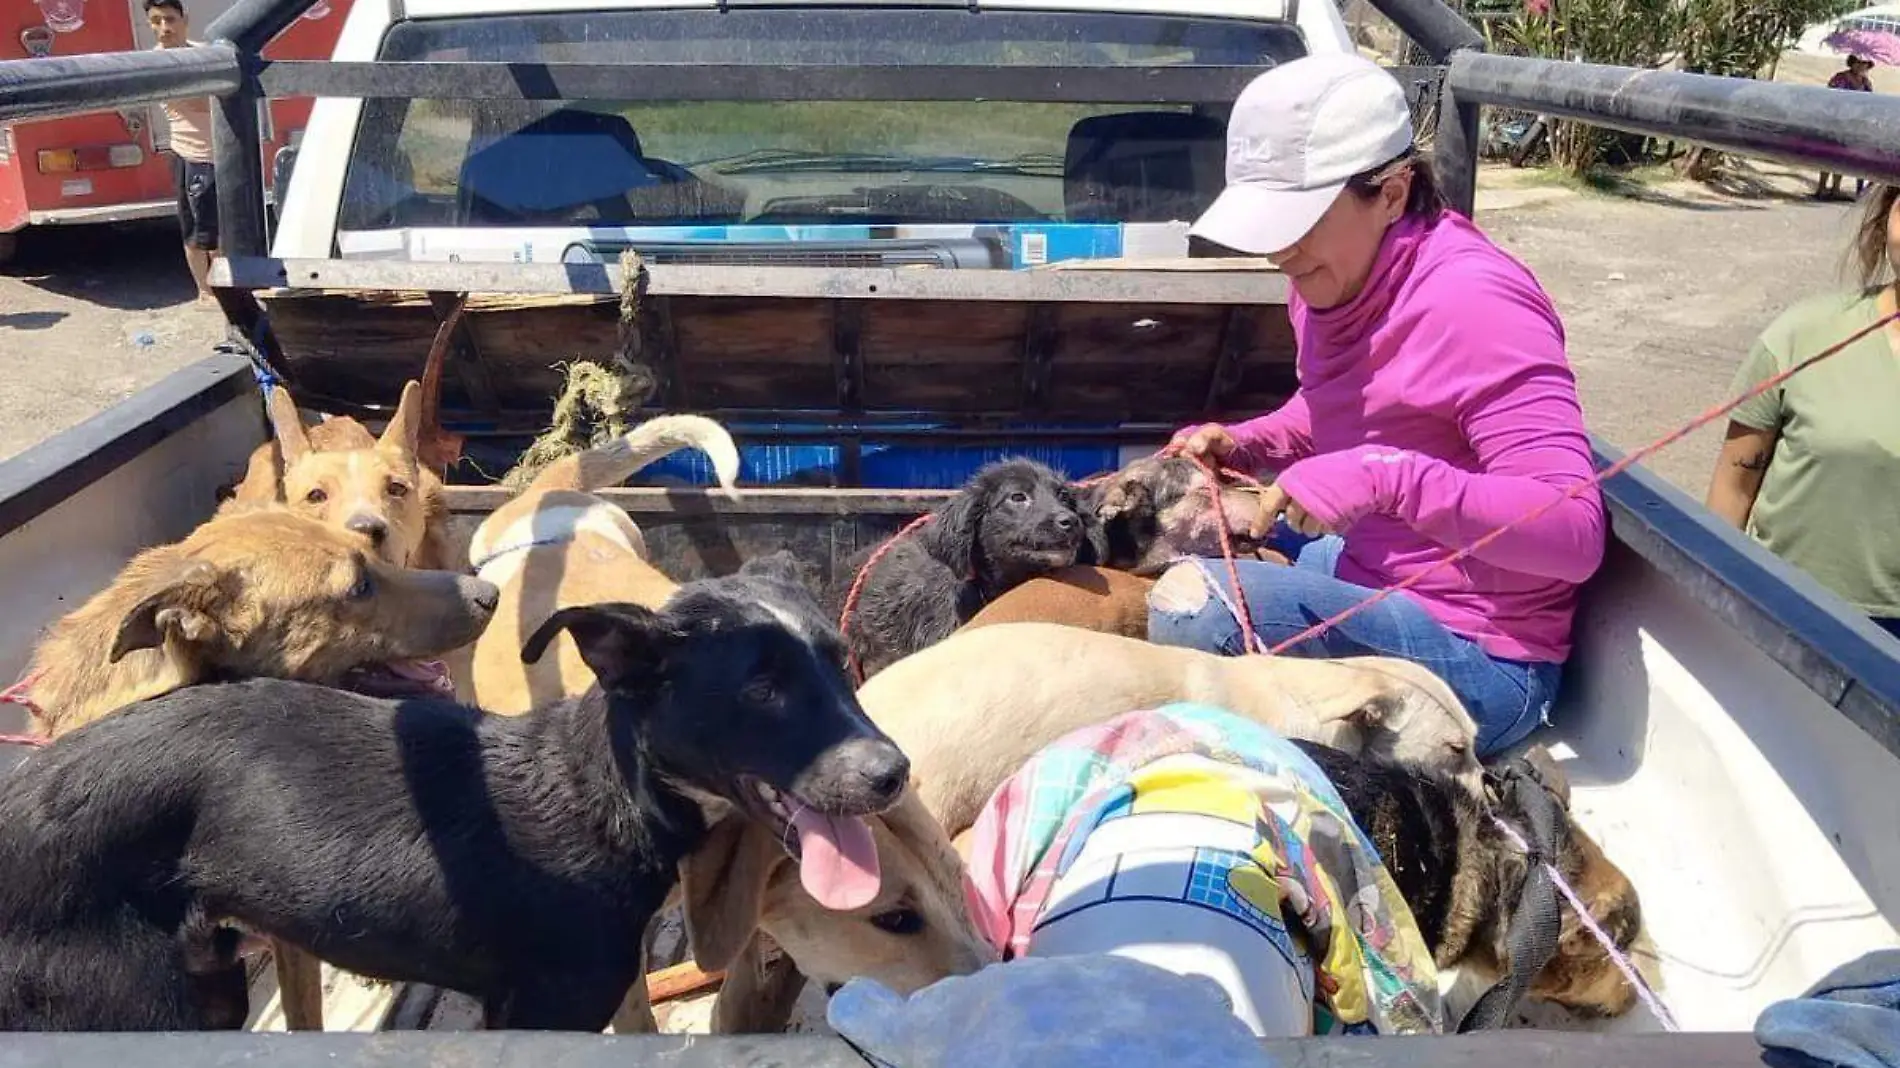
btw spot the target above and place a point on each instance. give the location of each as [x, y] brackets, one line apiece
[257, 592]
[1093, 598]
[557, 545]
[377, 489]
[917, 931]
[260, 593]
[337, 473]
[971, 709]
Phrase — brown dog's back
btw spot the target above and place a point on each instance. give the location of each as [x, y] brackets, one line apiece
[1093, 598]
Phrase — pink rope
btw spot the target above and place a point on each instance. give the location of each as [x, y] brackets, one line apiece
[1617, 956]
[20, 693]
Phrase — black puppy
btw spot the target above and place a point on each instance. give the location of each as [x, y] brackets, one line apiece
[517, 859]
[1014, 520]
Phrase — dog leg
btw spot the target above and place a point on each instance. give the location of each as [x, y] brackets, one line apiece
[565, 1003]
[760, 990]
[635, 1015]
[299, 986]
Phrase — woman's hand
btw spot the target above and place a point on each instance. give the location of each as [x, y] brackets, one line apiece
[1210, 441]
[1277, 503]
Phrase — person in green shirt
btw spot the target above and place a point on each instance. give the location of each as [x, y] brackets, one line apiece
[1811, 469]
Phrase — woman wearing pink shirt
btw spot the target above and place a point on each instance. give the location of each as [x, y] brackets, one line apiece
[1435, 405]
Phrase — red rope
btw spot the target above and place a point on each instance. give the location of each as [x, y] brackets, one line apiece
[1244, 615]
[20, 694]
[857, 587]
[1617, 468]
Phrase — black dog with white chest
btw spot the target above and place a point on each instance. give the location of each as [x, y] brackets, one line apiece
[516, 859]
[1012, 521]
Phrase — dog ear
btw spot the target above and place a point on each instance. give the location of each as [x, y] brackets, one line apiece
[287, 425]
[955, 528]
[263, 482]
[181, 607]
[404, 432]
[617, 641]
[722, 889]
[1120, 498]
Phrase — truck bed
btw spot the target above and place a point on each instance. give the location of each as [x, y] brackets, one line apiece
[1730, 730]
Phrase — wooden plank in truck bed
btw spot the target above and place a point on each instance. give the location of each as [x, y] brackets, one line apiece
[791, 344]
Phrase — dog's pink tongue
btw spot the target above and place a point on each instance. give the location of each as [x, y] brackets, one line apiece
[433, 673]
[837, 860]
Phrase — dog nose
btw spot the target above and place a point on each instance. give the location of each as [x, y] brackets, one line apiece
[369, 526]
[859, 775]
[483, 595]
[887, 773]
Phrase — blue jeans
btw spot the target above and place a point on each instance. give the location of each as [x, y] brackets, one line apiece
[1507, 698]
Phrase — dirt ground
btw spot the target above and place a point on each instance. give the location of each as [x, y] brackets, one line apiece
[1662, 288]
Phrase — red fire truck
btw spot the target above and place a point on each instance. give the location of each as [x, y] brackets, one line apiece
[109, 166]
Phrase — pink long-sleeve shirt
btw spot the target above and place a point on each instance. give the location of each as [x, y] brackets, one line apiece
[1434, 408]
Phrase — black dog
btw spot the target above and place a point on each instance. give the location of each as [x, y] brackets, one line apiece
[515, 859]
[1464, 879]
[1014, 520]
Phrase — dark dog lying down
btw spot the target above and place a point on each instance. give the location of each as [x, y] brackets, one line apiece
[1014, 520]
[1463, 879]
[515, 859]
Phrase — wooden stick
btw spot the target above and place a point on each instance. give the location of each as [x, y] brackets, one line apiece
[680, 980]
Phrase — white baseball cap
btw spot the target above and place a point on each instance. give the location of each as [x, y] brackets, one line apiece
[1297, 134]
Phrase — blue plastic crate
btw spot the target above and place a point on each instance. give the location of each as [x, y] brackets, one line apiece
[884, 466]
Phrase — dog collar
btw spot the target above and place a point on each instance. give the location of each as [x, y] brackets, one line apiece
[518, 547]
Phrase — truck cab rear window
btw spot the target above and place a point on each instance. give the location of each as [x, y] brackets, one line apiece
[510, 164]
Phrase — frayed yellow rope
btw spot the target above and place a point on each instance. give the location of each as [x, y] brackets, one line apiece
[595, 404]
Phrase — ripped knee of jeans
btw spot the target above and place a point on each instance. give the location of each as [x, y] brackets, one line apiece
[1180, 591]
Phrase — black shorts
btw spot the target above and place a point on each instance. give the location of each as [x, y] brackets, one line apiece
[197, 202]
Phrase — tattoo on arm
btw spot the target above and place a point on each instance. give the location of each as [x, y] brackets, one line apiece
[1756, 462]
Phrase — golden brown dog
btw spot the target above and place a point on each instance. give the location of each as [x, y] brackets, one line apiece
[260, 593]
[917, 931]
[377, 489]
[1093, 598]
[558, 545]
[338, 473]
[257, 591]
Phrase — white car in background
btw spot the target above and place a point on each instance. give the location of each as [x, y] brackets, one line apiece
[983, 184]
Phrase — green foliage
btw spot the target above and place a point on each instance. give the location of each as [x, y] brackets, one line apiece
[1739, 38]
[1735, 38]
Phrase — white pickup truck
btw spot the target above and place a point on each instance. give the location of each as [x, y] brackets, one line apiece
[845, 279]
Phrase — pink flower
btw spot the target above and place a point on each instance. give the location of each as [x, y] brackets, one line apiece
[1540, 8]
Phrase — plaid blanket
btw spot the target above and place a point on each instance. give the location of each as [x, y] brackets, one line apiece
[1189, 819]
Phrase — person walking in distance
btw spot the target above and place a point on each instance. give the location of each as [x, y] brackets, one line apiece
[1852, 78]
[190, 122]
